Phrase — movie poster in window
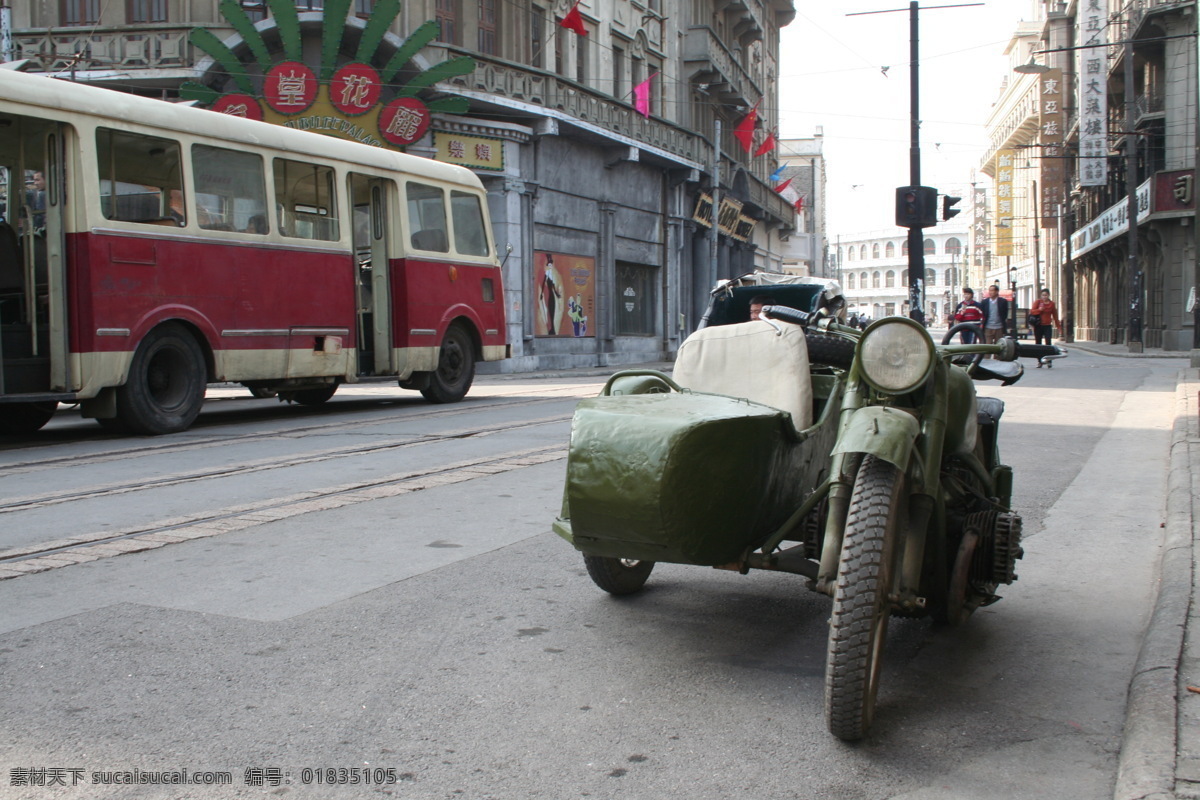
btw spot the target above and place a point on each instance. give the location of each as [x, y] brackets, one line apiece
[564, 289]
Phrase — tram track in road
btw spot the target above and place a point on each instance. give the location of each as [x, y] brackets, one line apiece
[29, 502]
[144, 448]
[54, 554]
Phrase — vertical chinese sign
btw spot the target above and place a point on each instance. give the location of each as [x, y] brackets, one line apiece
[980, 246]
[1093, 93]
[564, 291]
[1051, 117]
[1004, 203]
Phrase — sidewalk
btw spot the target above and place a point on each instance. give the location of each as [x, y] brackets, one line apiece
[1160, 747]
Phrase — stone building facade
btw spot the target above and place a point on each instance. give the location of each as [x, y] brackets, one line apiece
[619, 205]
[1071, 189]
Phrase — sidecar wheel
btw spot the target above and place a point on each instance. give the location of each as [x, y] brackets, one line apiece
[861, 608]
[618, 576]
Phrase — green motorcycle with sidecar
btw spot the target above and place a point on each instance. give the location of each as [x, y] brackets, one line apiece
[862, 460]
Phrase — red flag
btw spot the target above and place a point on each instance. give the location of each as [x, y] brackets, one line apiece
[641, 97]
[767, 146]
[799, 204]
[783, 185]
[744, 132]
[574, 21]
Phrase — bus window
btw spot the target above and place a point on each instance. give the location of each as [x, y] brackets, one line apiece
[231, 191]
[141, 178]
[427, 218]
[305, 199]
[470, 237]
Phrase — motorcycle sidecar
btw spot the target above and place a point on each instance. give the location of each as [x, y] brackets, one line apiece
[705, 468]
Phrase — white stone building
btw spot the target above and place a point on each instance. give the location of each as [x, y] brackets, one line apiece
[873, 271]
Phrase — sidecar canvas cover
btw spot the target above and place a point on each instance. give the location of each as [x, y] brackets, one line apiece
[703, 468]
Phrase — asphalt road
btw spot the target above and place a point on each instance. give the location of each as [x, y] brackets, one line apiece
[373, 587]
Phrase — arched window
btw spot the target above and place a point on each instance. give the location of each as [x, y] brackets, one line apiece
[875, 250]
[930, 247]
[904, 277]
[862, 281]
[930, 277]
[953, 246]
[890, 250]
[904, 247]
[862, 252]
[875, 280]
[849, 280]
[890, 279]
[850, 254]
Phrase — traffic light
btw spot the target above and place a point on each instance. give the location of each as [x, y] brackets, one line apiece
[916, 206]
[948, 206]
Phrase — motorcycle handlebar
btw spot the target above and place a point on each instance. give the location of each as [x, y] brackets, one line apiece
[787, 314]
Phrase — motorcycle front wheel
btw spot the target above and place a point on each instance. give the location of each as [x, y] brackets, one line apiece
[861, 608]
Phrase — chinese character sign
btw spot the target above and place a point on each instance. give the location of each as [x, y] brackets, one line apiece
[290, 87]
[564, 290]
[475, 152]
[1004, 202]
[355, 89]
[1052, 120]
[403, 121]
[979, 228]
[1093, 93]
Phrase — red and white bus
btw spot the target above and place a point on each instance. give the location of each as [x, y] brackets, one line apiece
[148, 249]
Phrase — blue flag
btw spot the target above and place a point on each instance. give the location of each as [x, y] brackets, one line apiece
[777, 174]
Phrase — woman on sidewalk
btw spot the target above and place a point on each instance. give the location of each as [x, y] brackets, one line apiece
[1044, 316]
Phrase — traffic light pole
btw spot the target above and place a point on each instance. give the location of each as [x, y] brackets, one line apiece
[916, 238]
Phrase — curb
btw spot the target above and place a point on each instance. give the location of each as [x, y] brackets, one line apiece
[1099, 349]
[1149, 743]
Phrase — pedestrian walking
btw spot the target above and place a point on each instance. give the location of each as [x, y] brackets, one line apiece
[1044, 315]
[995, 314]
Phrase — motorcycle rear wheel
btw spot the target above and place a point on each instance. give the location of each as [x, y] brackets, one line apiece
[861, 608]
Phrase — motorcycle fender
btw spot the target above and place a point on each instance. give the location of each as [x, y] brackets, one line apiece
[882, 432]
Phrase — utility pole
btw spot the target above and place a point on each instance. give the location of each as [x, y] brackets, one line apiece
[713, 233]
[916, 236]
[916, 239]
[1134, 338]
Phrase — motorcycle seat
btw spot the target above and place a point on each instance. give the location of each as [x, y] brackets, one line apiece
[990, 409]
[750, 360]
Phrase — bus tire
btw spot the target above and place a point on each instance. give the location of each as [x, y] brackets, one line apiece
[455, 372]
[25, 417]
[314, 397]
[165, 388]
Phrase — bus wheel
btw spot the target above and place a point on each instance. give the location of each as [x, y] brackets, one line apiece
[166, 383]
[25, 417]
[456, 368]
[314, 397]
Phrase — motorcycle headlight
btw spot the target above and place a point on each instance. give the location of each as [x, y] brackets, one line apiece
[895, 355]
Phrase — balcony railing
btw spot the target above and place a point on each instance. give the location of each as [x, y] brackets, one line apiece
[129, 47]
[539, 87]
[705, 54]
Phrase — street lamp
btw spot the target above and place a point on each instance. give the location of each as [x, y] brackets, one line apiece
[1032, 68]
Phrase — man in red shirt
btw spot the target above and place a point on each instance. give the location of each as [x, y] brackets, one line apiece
[968, 311]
